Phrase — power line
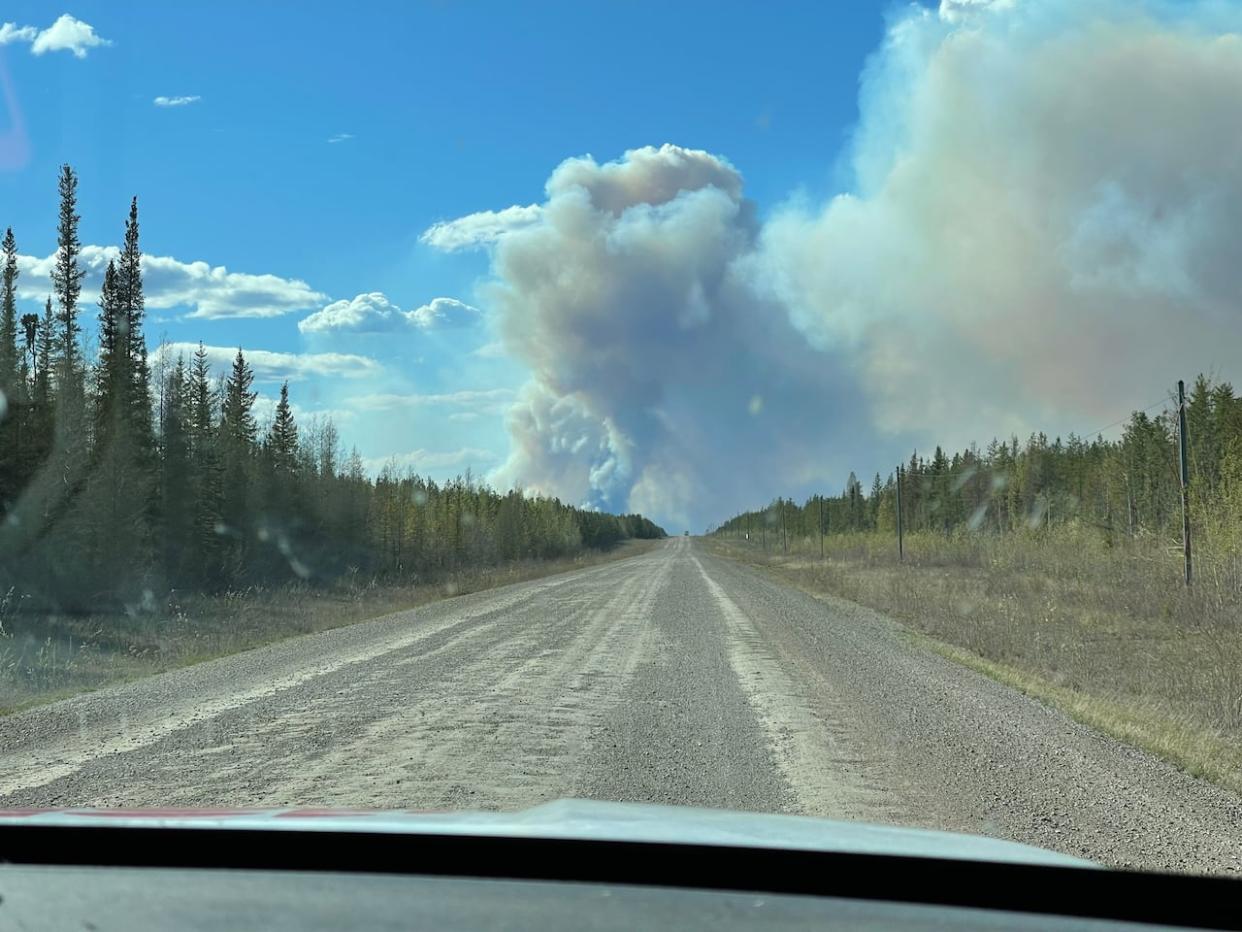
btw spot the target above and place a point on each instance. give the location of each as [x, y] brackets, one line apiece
[1100, 430]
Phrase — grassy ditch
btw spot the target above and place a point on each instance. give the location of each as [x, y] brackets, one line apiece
[44, 658]
[1108, 635]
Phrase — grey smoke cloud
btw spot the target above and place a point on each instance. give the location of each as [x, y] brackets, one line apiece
[661, 382]
[1041, 233]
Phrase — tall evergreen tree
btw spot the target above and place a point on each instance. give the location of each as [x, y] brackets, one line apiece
[205, 468]
[201, 399]
[67, 282]
[237, 441]
[12, 386]
[237, 422]
[43, 392]
[119, 504]
[111, 370]
[131, 308]
[176, 486]
[283, 436]
[8, 315]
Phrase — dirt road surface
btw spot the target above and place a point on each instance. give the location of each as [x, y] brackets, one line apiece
[673, 676]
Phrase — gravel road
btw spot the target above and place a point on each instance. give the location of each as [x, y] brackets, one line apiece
[673, 676]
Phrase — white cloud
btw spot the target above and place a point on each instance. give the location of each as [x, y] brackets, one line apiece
[208, 291]
[340, 137]
[479, 229]
[183, 101]
[272, 366]
[68, 34]
[432, 460]
[364, 313]
[11, 32]
[442, 313]
[375, 313]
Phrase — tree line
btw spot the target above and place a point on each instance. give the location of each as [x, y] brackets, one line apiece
[121, 480]
[1123, 489]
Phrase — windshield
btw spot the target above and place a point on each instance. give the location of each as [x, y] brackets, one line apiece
[802, 409]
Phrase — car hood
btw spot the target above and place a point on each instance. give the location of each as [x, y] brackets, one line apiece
[582, 820]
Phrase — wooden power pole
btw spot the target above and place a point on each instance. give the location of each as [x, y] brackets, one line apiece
[1185, 470]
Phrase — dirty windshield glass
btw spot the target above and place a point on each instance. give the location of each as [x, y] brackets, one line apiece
[779, 409]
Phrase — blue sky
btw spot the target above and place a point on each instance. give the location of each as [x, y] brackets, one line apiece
[448, 107]
[670, 257]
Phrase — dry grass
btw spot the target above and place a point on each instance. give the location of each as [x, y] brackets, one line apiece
[1108, 634]
[45, 658]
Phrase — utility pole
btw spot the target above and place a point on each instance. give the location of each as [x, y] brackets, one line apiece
[1129, 507]
[784, 532]
[1181, 447]
[821, 527]
[901, 550]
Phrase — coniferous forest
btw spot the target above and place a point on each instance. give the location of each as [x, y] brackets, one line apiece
[122, 480]
[1126, 489]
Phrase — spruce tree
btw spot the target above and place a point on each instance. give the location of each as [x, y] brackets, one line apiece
[205, 470]
[176, 486]
[110, 371]
[12, 388]
[8, 315]
[237, 438]
[43, 394]
[237, 414]
[67, 282]
[131, 306]
[283, 436]
[201, 400]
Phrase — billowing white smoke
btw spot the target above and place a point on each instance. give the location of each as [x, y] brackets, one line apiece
[1043, 233]
[1046, 226]
[661, 383]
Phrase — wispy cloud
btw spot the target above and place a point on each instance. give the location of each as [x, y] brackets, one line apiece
[183, 101]
[208, 291]
[11, 32]
[479, 229]
[493, 350]
[270, 366]
[340, 137]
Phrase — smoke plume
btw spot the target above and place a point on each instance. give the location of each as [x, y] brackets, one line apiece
[1042, 233]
